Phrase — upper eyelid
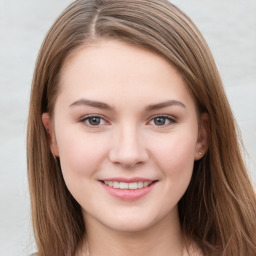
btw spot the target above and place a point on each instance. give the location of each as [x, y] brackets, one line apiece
[163, 115]
[170, 117]
[171, 121]
[86, 117]
[92, 115]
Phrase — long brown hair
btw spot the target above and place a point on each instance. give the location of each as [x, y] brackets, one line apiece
[218, 210]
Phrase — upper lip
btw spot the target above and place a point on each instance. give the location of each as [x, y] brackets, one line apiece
[128, 180]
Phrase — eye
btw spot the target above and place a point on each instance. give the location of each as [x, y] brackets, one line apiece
[94, 121]
[162, 120]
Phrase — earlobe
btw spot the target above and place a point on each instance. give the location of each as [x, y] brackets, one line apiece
[48, 127]
[203, 137]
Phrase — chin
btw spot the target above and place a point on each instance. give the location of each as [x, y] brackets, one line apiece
[130, 227]
[130, 223]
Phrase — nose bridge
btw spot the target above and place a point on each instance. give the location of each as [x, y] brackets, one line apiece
[128, 147]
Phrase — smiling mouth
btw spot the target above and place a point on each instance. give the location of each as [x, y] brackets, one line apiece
[130, 185]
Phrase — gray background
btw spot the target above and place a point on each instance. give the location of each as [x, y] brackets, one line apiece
[229, 27]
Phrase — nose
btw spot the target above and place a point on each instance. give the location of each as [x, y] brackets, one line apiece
[128, 149]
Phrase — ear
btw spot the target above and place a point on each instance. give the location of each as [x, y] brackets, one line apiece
[203, 137]
[52, 139]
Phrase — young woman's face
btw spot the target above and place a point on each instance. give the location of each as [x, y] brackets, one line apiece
[126, 131]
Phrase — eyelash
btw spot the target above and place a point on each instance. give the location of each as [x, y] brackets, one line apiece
[170, 120]
[87, 119]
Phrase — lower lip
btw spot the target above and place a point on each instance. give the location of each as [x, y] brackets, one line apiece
[128, 194]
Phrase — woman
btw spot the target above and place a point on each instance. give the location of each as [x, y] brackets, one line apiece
[132, 146]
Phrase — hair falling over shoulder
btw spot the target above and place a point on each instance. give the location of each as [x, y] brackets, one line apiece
[218, 210]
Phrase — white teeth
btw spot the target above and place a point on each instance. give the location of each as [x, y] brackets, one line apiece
[115, 184]
[140, 184]
[133, 185]
[125, 185]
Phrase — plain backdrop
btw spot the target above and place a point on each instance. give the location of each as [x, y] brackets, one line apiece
[229, 27]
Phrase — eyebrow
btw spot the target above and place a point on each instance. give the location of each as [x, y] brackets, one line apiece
[102, 105]
[92, 103]
[165, 104]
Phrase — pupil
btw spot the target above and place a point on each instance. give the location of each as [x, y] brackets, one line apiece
[94, 121]
[159, 120]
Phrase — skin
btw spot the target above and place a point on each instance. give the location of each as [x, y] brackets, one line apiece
[126, 141]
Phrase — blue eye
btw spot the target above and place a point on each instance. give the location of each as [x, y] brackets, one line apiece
[93, 121]
[161, 120]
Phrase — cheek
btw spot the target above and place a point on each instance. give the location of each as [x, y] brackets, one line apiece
[175, 155]
[79, 153]
[176, 161]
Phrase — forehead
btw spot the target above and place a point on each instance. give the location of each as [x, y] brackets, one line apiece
[110, 70]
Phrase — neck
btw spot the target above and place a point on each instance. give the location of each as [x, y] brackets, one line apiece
[163, 239]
